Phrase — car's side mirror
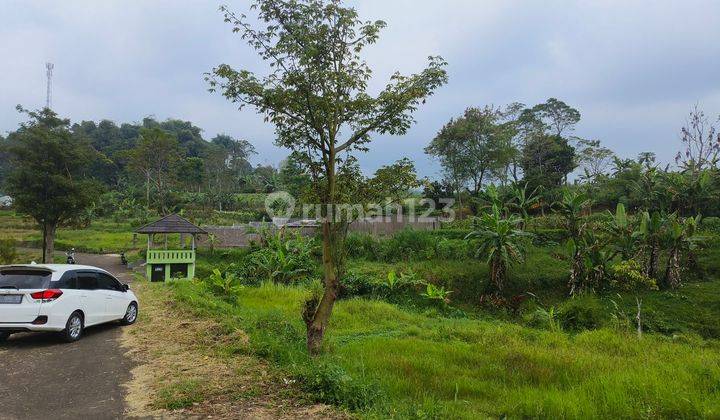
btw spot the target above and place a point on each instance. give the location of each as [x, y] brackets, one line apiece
[125, 287]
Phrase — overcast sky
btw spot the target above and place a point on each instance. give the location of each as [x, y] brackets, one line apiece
[633, 68]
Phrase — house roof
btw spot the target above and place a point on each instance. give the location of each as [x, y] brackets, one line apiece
[172, 223]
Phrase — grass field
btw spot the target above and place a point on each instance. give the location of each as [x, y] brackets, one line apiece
[101, 236]
[382, 360]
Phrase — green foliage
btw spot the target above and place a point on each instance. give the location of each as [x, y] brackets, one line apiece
[388, 362]
[546, 161]
[283, 259]
[223, 284]
[628, 275]
[544, 319]
[437, 294]
[49, 179]
[409, 245]
[710, 224]
[8, 251]
[584, 312]
[331, 384]
[501, 242]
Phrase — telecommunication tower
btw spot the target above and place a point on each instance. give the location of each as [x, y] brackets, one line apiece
[48, 99]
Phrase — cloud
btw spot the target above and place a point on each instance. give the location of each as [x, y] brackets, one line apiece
[633, 69]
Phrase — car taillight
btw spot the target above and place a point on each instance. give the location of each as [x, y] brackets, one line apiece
[47, 295]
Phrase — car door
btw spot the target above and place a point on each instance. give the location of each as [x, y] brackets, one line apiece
[115, 296]
[93, 301]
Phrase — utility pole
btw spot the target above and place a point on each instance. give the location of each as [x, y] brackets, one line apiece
[48, 99]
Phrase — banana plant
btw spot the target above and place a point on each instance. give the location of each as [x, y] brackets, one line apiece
[501, 242]
[622, 234]
[571, 207]
[651, 233]
[523, 201]
[681, 237]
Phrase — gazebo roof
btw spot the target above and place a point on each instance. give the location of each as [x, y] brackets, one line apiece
[172, 223]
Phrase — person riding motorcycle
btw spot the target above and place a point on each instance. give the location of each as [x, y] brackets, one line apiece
[70, 256]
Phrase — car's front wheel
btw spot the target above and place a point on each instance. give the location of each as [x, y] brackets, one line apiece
[4, 336]
[74, 327]
[131, 314]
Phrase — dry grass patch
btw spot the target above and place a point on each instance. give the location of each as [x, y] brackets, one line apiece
[185, 368]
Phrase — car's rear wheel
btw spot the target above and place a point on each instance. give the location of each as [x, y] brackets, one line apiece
[4, 336]
[131, 314]
[74, 327]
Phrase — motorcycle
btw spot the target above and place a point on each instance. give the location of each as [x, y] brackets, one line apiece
[123, 260]
[70, 256]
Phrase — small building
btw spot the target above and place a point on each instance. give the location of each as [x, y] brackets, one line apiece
[165, 263]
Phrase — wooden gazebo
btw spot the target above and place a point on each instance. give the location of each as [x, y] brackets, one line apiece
[164, 264]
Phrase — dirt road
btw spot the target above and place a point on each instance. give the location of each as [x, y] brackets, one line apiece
[42, 377]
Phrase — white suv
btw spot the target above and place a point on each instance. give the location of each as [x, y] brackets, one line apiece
[64, 298]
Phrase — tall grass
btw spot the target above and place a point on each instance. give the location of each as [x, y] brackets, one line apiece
[383, 361]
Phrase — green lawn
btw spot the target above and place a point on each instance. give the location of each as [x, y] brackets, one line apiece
[100, 237]
[382, 360]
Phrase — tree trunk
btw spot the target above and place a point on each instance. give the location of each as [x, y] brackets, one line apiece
[652, 263]
[147, 192]
[318, 321]
[48, 243]
[576, 273]
[498, 274]
[672, 273]
[317, 315]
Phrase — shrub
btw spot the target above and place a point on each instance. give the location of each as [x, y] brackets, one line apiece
[628, 275]
[8, 251]
[283, 260]
[544, 319]
[437, 294]
[451, 249]
[409, 245]
[331, 384]
[549, 237]
[356, 284]
[582, 313]
[451, 233]
[223, 285]
[710, 224]
[362, 245]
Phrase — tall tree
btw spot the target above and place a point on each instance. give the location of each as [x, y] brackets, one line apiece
[476, 146]
[554, 116]
[546, 161]
[316, 96]
[48, 177]
[701, 142]
[155, 159]
[594, 159]
[293, 177]
[451, 154]
[238, 152]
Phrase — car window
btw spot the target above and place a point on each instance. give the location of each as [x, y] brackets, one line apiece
[87, 280]
[108, 282]
[67, 281]
[24, 279]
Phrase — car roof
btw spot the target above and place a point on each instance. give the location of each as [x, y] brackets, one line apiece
[55, 268]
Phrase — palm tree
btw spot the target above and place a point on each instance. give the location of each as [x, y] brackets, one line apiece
[681, 236]
[501, 242]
